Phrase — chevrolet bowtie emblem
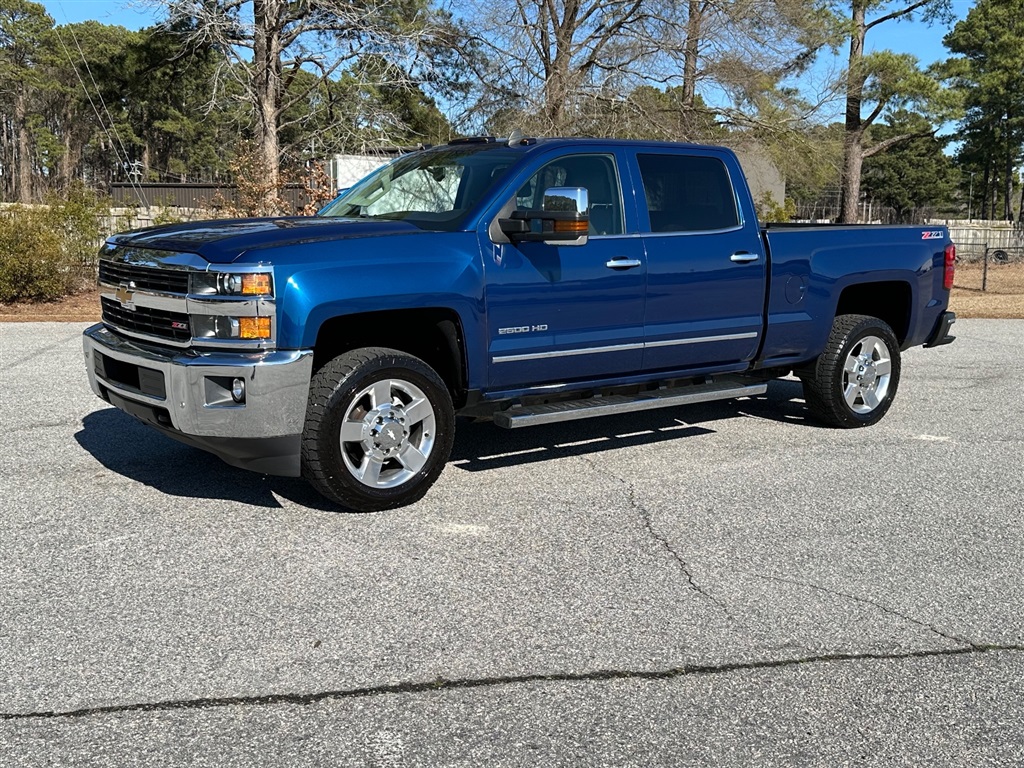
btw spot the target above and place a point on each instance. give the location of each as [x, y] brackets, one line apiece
[124, 295]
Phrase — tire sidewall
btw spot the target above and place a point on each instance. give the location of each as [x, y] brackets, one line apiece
[348, 489]
[867, 327]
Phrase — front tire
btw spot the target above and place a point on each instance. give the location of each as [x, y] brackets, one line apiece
[379, 429]
[853, 382]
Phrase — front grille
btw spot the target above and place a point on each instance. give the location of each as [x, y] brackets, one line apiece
[145, 278]
[153, 322]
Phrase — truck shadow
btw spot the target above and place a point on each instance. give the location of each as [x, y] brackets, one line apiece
[481, 445]
[128, 447]
[133, 450]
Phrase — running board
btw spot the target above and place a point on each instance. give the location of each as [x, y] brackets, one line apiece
[531, 415]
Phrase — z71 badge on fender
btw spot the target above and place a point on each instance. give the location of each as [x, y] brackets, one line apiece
[932, 235]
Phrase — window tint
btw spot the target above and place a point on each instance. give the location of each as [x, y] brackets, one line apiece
[596, 173]
[687, 193]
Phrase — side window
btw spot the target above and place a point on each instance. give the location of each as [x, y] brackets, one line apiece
[687, 193]
[596, 173]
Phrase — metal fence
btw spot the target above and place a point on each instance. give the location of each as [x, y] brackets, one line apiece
[205, 196]
[989, 254]
[998, 269]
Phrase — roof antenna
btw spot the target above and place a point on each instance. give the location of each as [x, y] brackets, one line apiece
[515, 137]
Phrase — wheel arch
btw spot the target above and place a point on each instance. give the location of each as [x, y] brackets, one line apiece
[890, 301]
[434, 335]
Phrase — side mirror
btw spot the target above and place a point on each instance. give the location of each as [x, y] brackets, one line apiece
[564, 218]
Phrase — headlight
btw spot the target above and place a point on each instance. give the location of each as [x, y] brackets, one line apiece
[232, 284]
[223, 327]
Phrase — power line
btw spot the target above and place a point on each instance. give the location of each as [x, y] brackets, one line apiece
[123, 157]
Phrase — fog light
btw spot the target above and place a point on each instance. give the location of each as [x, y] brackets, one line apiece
[238, 390]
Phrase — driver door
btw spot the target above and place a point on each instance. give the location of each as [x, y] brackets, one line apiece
[561, 313]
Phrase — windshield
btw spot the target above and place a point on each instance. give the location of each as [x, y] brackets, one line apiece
[433, 189]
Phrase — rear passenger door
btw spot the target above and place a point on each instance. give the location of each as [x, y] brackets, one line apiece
[705, 262]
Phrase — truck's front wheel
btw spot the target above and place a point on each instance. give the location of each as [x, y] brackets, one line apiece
[379, 429]
[853, 382]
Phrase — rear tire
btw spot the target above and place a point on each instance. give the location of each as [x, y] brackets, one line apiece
[379, 429]
[853, 382]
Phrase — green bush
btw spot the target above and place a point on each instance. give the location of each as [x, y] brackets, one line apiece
[50, 251]
[33, 265]
[768, 210]
[75, 217]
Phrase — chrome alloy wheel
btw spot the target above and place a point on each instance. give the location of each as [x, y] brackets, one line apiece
[866, 374]
[387, 433]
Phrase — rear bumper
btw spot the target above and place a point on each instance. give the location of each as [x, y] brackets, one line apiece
[940, 334]
[186, 395]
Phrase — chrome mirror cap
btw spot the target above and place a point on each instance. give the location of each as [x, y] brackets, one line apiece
[566, 200]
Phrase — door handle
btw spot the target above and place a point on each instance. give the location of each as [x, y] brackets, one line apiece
[742, 257]
[621, 262]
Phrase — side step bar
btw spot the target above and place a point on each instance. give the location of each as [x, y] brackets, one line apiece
[531, 415]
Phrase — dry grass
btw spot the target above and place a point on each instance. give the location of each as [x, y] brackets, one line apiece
[1004, 298]
[81, 308]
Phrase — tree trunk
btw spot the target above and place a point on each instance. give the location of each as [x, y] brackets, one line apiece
[995, 196]
[554, 98]
[853, 162]
[67, 167]
[985, 198]
[1008, 182]
[853, 157]
[1020, 208]
[557, 72]
[24, 162]
[267, 92]
[691, 51]
[5, 157]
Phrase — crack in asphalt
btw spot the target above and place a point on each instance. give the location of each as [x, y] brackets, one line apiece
[10, 365]
[75, 422]
[961, 641]
[648, 523]
[442, 684]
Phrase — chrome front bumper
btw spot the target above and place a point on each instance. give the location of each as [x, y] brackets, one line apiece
[182, 393]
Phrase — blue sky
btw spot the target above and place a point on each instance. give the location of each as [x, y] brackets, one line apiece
[922, 40]
[132, 16]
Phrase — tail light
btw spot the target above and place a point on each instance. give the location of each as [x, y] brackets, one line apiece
[950, 267]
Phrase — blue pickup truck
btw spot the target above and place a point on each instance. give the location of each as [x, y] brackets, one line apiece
[528, 281]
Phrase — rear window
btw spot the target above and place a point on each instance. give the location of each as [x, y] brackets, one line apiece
[687, 193]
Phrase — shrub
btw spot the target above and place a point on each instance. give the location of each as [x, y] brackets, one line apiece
[33, 265]
[50, 251]
[75, 217]
[768, 210]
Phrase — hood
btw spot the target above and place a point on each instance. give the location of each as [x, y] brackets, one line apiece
[223, 241]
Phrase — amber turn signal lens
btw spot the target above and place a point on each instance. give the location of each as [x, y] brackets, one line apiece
[572, 226]
[254, 327]
[256, 284]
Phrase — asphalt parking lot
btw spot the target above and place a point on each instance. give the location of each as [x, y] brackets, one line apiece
[719, 585]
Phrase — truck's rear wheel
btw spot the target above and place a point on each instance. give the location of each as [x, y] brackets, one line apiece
[379, 429]
[853, 382]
